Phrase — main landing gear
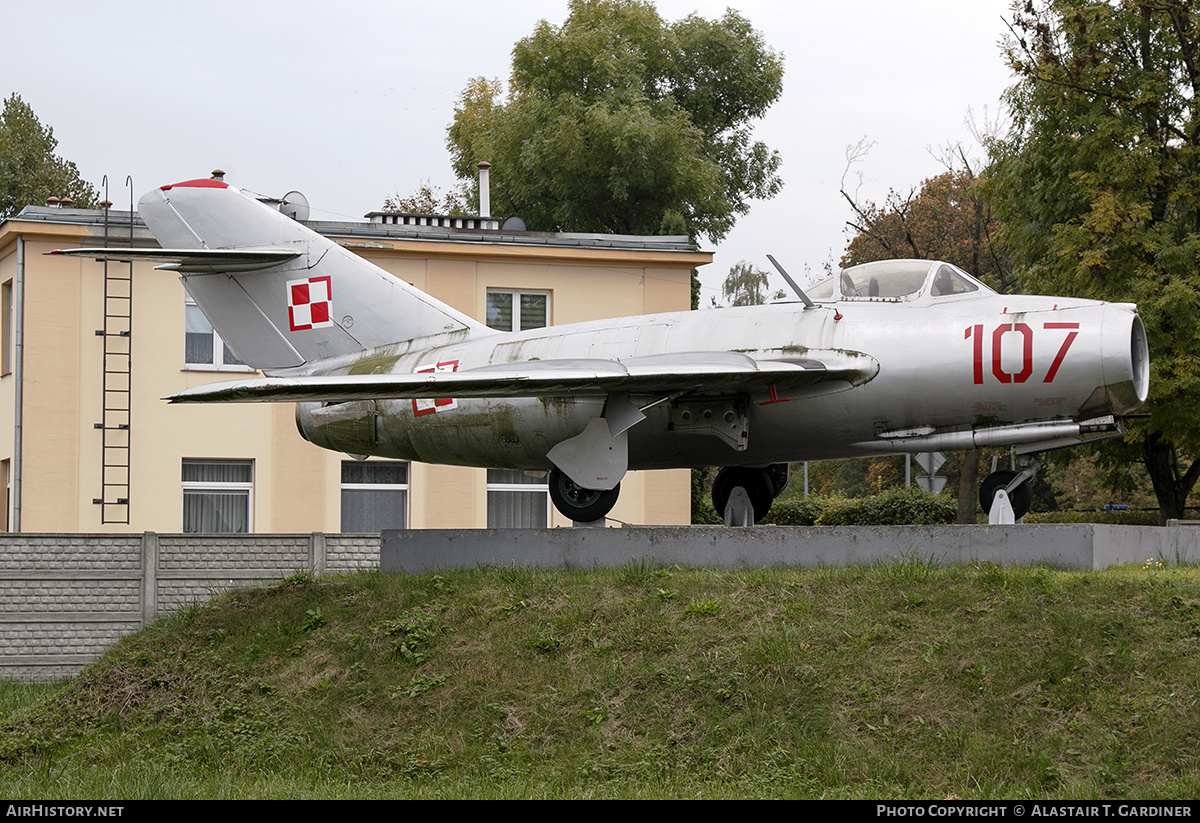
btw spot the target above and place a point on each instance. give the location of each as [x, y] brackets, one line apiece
[743, 495]
[580, 504]
[1006, 495]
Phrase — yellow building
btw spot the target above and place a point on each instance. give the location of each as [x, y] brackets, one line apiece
[89, 350]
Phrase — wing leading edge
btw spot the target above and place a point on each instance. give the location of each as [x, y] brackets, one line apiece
[700, 372]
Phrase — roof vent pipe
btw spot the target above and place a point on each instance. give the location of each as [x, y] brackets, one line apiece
[485, 192]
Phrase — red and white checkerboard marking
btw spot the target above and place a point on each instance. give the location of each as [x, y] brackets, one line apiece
[310, 303]
[421, 407]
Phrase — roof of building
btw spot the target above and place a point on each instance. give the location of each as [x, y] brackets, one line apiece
[119, 222]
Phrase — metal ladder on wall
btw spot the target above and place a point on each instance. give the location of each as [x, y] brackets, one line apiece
[114, 424]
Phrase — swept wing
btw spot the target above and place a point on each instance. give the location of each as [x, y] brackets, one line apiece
[704, 372]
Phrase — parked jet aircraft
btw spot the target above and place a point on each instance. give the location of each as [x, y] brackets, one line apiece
[883, 358]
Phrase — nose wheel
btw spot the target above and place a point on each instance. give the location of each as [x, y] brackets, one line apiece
[1017, 486]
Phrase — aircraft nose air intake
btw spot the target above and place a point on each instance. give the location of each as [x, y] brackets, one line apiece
[1126, 359]
[1140, 350]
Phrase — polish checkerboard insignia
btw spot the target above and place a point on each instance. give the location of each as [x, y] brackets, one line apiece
[310, 303]
[423, 406]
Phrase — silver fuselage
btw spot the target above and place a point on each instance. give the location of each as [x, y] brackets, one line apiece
[937, 372]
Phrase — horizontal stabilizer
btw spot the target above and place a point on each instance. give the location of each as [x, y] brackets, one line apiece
[286, 295]
[702, 372]
[192, 260]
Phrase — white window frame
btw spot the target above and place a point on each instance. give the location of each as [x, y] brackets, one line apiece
[516, 295]
[6, 476]
[218, 359]
[218, 487]
[541, 487]
[405, 487]
[6, 328]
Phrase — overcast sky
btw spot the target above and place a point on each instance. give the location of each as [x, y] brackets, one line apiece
[351, 105]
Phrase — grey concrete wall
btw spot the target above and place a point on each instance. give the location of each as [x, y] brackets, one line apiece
[65, 598]
[1076, 546]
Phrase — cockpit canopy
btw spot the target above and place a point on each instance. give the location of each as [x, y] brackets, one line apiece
[896, 280]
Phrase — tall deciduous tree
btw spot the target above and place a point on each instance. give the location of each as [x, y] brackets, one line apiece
[428, 199]
[745, 285]
[30, 171]
[946, 219]
[1098, 189]
[616, 121]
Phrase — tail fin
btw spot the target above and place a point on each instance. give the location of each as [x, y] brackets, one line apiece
[323, 301]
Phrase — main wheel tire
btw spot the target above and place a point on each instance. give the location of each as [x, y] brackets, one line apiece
[580, 504]
[756, 482]
[1019, 498]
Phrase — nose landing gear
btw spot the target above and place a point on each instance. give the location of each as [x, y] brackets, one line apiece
[1006, 495]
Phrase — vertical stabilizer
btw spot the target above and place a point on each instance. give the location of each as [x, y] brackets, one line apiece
[324, 302]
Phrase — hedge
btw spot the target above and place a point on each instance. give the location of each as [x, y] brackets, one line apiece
[896, 506]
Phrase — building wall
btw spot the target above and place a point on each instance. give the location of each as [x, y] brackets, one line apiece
[296, 484]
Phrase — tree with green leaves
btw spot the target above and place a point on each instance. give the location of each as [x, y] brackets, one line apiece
[617, 121]
[428, 199]
[1097, 186]
[30, 171]
[946, 219]
[745, 285]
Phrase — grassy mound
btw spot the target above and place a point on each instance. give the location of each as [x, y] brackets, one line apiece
[896, 680]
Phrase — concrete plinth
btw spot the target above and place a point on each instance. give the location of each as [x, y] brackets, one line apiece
[1075, 546]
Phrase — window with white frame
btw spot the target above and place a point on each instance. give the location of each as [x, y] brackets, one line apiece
[6, 475]
[516, 500]
[203, 348]
[218, 495]
[374, 496]
[6, 328]
[510, 310]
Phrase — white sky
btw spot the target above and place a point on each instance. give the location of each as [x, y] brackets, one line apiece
[351, 105]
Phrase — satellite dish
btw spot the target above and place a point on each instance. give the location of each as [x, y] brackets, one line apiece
[295, 206]
[513, 224]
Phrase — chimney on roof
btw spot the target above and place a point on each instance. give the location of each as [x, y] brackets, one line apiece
[485, 191]
[66, 203]
[218, 174]
[52, 202]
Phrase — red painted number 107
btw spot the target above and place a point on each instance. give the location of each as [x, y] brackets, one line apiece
[1022, 374]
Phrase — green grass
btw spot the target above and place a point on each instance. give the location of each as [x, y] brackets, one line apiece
[15, 695]
[899, 680]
